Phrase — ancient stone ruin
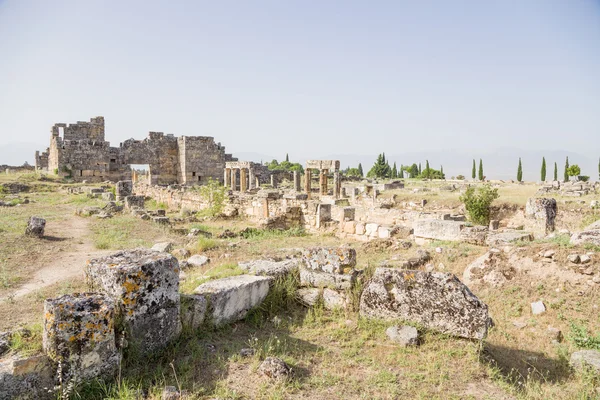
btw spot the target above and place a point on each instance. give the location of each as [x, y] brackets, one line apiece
[81, 152]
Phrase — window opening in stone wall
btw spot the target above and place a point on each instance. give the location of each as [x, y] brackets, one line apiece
[193, 174]
[113, 160]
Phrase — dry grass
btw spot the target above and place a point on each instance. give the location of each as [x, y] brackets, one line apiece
[335, 355]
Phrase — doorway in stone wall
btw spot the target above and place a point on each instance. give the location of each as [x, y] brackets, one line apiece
[140, 173]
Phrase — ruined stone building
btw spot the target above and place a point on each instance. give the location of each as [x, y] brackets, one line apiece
[80, 151]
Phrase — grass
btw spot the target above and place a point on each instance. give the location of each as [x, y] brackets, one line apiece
[123, 232]
[209, 273]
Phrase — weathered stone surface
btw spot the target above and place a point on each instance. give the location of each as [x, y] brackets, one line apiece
[198, 260]
[181, 253]
[405, 335]
[435, 300]
[490, 268]
[438, 229]
[333, 299]
[79, 333]
[108, 196]
[586, 237]
[35, 227]
[538, 307]
[163, 247]
[161, 220]
[145, 286]
[170, 393]
[503, 238]
[308, 296]
[275, 368]
[193, 310]
[26, 378]
[574, 258]
[231, 298]
[582, 358]
[323, 279]
[542, 210]
[124, 189]
[474, 235]
[269, 267]
[135, 202]
[592, 226]
[332, 260]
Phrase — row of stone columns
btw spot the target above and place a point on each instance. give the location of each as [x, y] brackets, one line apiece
[323, 185]
[247, 179]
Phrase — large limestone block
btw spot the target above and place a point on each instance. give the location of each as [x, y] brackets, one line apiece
[436, 300]
[269, 267]
[331, 260]
[542, 210]
[193, 311]
[504, 238]
[319, 279]
[135, 202]
[586, 237]
[145, 287]
[124, 189]
[79, 333]
[438, 229]
[231, 298]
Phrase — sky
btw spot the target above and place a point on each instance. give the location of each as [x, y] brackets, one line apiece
[308, 78]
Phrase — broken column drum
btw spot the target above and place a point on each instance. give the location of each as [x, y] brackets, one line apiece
[145, 287]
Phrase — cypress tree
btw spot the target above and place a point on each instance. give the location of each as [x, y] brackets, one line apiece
[566, 175]
[480, 169]
[555, 171]
[520, 172]
[543, 173]
[419, 168]
[394, 172]
[442, 171]
[401, 171]
[360, 170]
[474, 170]
[427, 174]
[287, 157]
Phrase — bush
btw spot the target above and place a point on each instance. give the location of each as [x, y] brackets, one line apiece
[460, 177]
[213, 193]
[583, 178]
[478, 203]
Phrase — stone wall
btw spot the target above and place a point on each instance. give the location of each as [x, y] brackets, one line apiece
[82, 153]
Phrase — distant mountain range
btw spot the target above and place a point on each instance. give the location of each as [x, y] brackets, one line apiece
[499, 164]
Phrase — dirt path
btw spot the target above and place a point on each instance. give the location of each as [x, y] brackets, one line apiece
[63, 265]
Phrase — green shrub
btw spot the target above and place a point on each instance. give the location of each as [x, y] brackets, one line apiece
[213, 193]
[582, 339]
[478, 202]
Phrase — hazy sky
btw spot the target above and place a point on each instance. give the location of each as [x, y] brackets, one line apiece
[307, 77]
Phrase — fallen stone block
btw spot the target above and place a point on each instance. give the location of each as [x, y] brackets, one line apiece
[123, 189]
[35, 227]
[181, 253]
[198, 261]
[504, 238]
[193, 311]
[491, 268]
[135, 201]
[436, 300]
[163, 247]
[543, 211]
[332, 260]
[586, 237]
[108, 196]
[230, 299]
[26, 378]
[585, 358]
[538, 307]
[308, 296]
[404, 335]
[161, 220]
[145, 287]
[333, 299]
[79, 333]
[436, 229]
[269, 267]
[319, 279]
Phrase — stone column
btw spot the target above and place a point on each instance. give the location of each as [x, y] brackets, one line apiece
[273, 181]
[323, 180]
[251, 179]
[233, 179]
[297, 181]
[307, 176]
[243, 180]
[336, 184]
[227, 180]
